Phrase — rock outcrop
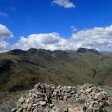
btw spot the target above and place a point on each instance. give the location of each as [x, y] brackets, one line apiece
[85, 50]
[51, 98]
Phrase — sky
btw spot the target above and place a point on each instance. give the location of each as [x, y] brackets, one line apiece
[55, 24]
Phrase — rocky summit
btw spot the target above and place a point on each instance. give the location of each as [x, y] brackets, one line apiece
[51, 98]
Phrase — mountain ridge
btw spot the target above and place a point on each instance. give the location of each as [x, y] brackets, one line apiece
[22, 69]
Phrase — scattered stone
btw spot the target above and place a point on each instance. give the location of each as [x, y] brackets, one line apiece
[21, 100]
[13, 110]
[42, 103]
[66, 110]
[49, 98]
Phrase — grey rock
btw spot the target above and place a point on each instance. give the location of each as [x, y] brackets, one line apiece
[49, 98]
[89, 110]
[43, 103]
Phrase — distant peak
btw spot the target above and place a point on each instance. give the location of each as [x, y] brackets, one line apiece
[85, 50]
[16, 52]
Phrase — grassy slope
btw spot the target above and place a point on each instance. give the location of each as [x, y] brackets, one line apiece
[76, 68]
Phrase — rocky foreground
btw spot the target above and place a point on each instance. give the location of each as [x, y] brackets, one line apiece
[51, 98]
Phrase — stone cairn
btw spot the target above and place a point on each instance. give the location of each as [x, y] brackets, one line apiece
[49, 98]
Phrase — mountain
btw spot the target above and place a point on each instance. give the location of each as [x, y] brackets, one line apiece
[21, 70]
[85, 50]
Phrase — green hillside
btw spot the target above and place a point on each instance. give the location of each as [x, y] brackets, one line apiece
[20, 70]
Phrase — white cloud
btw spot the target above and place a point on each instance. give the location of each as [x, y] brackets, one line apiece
[38, 41]
[97, 38]
[13, 9]
[3, 46]
[3, 14]
[5, 32]
[64, 3]
[74, 29]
